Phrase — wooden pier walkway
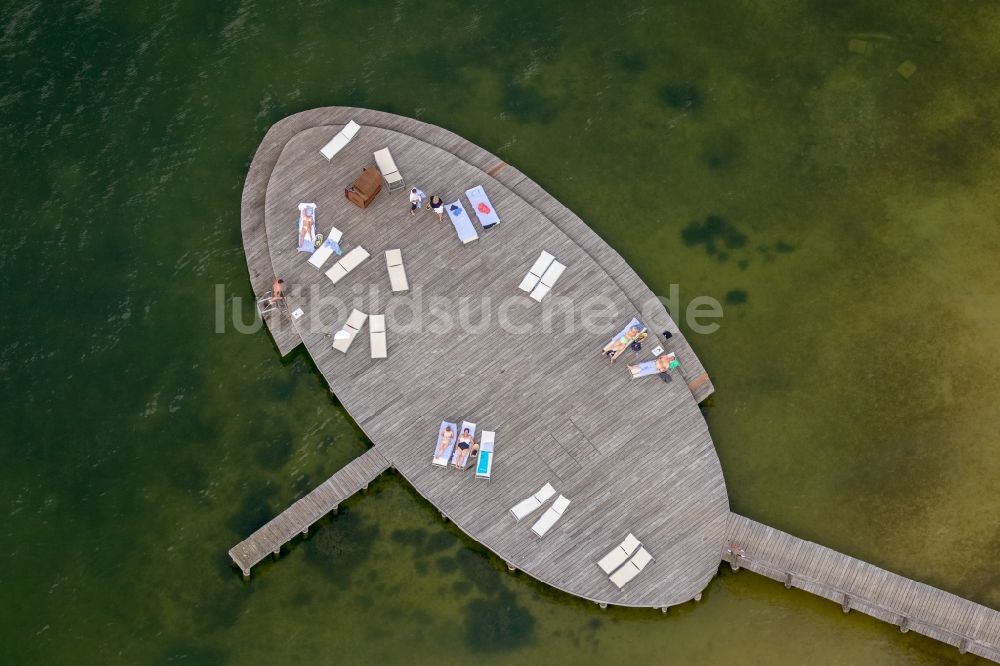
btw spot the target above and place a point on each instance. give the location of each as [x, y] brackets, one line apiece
[297, 518]
[857, 585]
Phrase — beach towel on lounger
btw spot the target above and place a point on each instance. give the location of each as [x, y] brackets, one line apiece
[460, 220]
[330, 246]
[663, 363]
[482, 207]
[306, 240]
[445, 443]
[484, 467]
[624, 339]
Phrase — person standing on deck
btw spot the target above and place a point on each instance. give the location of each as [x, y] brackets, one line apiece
[277, 292]
[437, 205]
[416, 198]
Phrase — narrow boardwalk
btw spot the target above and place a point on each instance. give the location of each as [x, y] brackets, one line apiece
[857, 585]
[297, 518]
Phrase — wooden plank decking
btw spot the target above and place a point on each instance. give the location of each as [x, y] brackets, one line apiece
[631, 455]
[857, 585]
[297, 518]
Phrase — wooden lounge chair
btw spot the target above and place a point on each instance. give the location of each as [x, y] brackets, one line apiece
[376, 331]
[338, 142]
[535, 272]
[397, 274]
[345, 336]
[548, 279]
[387, 165]
[617, 557]
[631, 569]
[347, 263]
[484, 466]
[549, 518]
[526, 506]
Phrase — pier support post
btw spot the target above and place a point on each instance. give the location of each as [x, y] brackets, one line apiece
[277, 552]
[510, 567]
[963, 646]
[305, 532]
[246, 573]
[846, 605]
[664, 609]
[602, 605]
[334, 510]
[697, 597]
[444, 517]
[788, 581]
[904, 626]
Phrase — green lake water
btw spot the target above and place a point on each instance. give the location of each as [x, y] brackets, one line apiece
[846, 217]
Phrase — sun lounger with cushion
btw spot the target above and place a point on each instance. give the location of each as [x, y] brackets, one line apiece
[387, 165]
[343, 338]
[631, 568]
[482, 207]
[617, 557]
[634, 323]
[397, 274]
[656, 366]
[330, 245]
[526, 506]
[535, 272]
[460, 220]
[347, 263]
[441, 459]
[468, 451]
[376, 334]
[548, 279]
[342, 139]
[549, 518]
[484, 466]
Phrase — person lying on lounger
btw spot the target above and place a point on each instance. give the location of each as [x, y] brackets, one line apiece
[620, 344]
[445, 441]
[663, 363]
[308, 220]
[464, 444]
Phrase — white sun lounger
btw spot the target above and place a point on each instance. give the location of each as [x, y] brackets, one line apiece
[631, 568]
[323, 252]
[442, 460]
[525, 507]
[460, 220]
[484, 466]
[338, 142]
[387, 165]
[535, 272]
[397, 274]
[482, 207]
[347, 263]
[343, 338]
[617, 557]
[468, 451]
[549, 278]
[376, 334]
[549, 518]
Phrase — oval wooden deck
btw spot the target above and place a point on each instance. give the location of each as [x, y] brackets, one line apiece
[631, 455]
